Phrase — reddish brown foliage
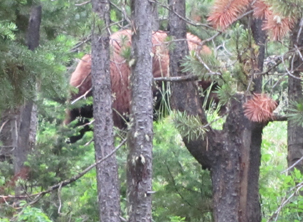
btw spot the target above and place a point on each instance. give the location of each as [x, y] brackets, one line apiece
[259, 108]
[278, 26]
[261, 9]
[225, 12]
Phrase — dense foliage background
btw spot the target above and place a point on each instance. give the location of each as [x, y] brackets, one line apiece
[183, 188]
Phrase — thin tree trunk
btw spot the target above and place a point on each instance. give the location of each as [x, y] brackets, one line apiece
[294, 136]
[139, 161]
[259, 36]
[155, 17]
[226, 153]
[253, 203]
[24, 126]
[107, 171]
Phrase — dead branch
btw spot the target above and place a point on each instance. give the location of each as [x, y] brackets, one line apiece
[83, 3]
[181, 17]
[177, 78]
[295, 191]
[64, 183]
[278, 118]
[80, 97]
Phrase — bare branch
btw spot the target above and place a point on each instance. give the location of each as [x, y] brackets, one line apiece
[285, 201]
[181, 17]
[177, 78]
[292, 166]
[83, 3]
[80, 97]
[59, 198]
[278, 118]
[206, 66]
[79, 44]
[65, 182]
[3, 124]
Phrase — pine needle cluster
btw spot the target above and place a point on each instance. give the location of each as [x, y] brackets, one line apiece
[260, 108]
[192, 64]
[225, 12]
[279, 16]
[189, 127]
[22, 71]
[295, 112]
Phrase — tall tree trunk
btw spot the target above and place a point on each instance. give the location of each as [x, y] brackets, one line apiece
[226, 153]
[253, 203]
[294, 136]
[155, 17]
[259, 36]
[139, 161]
[233, 172]
[184, 96]
[107, 171]
[25, 124]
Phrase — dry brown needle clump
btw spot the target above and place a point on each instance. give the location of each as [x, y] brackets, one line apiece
[259, 108]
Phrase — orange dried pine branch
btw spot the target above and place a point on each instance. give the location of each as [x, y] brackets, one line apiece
[225, 12]
[260, 108]
[261, 9]
[278, 26]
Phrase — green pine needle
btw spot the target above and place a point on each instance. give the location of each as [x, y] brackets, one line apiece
[189, 127]
[295, 113]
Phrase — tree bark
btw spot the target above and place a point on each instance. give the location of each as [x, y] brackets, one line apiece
[24, 126]
[107, 171]
[259, 36]
[253, 203]
[155, 17]
[227, 153]
[234, 174]
[139, 161]
[294, 136]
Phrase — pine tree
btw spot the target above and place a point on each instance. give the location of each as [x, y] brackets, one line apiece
[107, 171]
[140, 136]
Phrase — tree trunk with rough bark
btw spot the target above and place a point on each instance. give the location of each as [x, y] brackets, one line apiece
[107, 171]
[24, 125]
[155, 17]
[234, 175]
[253, 203]
[232, 154]
[294, 136]
[139, 161]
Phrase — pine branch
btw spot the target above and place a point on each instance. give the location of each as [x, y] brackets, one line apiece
[261, 9]
[225, 12]
[259, 108]
[277, 26]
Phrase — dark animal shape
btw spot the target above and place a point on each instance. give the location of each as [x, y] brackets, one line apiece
[120, 43]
